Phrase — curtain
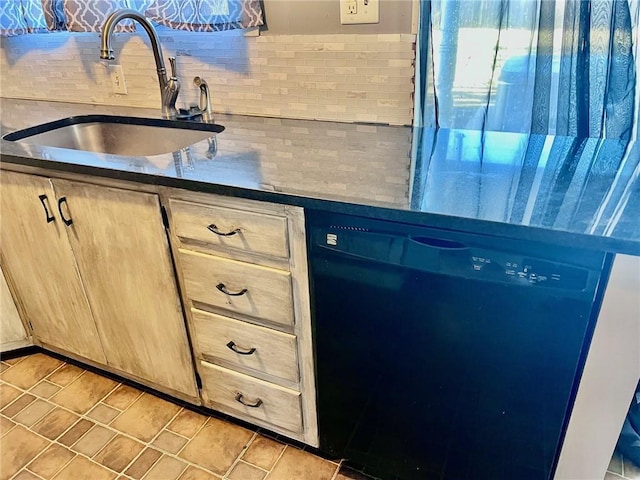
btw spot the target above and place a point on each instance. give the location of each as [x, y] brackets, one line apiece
[54, 14]
[533, 66]
[90, 15]
[525, 106]
[18, 17]
[12, 20]
[206, 15]
[193, 15]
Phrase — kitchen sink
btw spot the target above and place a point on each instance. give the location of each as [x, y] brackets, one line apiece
[129, 136]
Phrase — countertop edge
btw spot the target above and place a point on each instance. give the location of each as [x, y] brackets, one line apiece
[445, 222]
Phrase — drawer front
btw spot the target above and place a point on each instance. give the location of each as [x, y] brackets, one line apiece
[246, 231]
[244, 345]
[226, 390]
[253, 290]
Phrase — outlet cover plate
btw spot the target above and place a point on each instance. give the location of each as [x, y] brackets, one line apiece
[353, 12]
[117, 79]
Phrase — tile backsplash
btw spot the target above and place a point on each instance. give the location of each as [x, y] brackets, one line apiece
[353, 163]
[338, 77]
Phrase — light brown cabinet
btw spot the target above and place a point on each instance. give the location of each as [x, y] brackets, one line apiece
[97, 281]
[245, 346]
[243, 272]
[262, 402]
[37, 255]
[263, 293]
[258, 233]
[13, 335]
[93, 275]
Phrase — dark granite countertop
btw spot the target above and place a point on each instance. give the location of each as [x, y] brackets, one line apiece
[582, 192]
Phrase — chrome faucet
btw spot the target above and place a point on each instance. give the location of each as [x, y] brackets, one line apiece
[169, 87]
[205, 99]
[207, 113]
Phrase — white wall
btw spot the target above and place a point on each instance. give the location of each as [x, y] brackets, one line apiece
[320, 17]
[609, 378]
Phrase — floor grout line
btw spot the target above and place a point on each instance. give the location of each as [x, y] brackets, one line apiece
[150, 442]
[240, 455]
[25, 469]
[337, 472]
[275, 464]
[96, 423]
[41, 454]
[147, 444]
[107, 425]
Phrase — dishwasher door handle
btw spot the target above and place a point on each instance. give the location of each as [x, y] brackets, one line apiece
[439, 243]
[436, 255]
[413, 255]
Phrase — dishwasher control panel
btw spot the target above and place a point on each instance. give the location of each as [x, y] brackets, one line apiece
[523, 270]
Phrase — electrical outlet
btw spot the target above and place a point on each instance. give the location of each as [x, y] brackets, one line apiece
[359, 11]
[117, 79]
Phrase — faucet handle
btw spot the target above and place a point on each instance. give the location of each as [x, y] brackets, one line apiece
[174, 70]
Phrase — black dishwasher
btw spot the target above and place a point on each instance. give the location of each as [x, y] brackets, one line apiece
[446, 355]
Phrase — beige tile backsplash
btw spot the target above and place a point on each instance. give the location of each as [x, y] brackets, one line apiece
[339, 161]
[349, 78]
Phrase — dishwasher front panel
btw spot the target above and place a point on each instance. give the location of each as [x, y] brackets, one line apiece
[423, 373]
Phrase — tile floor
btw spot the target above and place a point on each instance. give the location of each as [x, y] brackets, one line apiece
[58, 421]
[61, 422]
[621, 468]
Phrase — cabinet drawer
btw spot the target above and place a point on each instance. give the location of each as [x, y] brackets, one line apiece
[260, 292]
[254, 232]
[244, 345]
[272, 404]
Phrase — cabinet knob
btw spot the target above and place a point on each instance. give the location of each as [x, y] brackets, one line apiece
[213, 228]
[222, 287]
[240, 398]
[67, 221]
[44, 201]
[232, 345]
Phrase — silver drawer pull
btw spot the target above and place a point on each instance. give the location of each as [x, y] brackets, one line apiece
[213, 228]
[222, 287]
[240, 398]
[232, 345]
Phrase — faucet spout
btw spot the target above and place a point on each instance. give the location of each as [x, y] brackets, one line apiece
[169, 87]
[205, 99]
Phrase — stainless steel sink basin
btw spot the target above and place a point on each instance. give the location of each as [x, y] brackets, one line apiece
[130, 136]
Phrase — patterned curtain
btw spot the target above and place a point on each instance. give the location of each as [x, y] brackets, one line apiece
[90, 15]
[12, 19]
[54, 14]
[206, 15]
[18, 17]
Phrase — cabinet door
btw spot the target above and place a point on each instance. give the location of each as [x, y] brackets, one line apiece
[12, 332]
[123, 256]
[38, 257]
